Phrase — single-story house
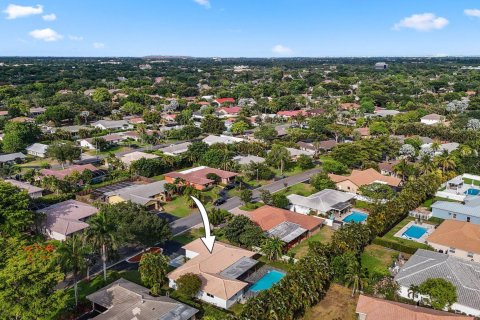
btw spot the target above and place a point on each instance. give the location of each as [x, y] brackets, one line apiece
[322, 202]
[369, 308]
[468, 211]
[288, 226]
[349, 106]
[37, 150]
[219, 271]
[212, 139]
[33, 112]
[66, 218]
[387, 167]
[291, 113]
[295, 153]
[135, 120]
[176, 149]
[125, 300]
[197, 177]
[360, 178]
[448, 147]
[112, 125]
[282, 130]
[243, 160]
[381, 112]
[431, 119]
[11, 158]
[325, 145]
[228, 111]
[222, 101]
[89, 143]
[33, 192]
[131, 157]
[457, 238]
[98, 174]
[362, 132]
[462, 274]
[150, 195]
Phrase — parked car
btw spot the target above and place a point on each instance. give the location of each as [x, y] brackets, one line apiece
[229, 186]
[219, 201]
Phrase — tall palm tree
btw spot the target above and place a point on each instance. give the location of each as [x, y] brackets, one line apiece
[445, 161]
[102, 234]
[72, 255]
[355, 277]
[425, 164]
[272, 248]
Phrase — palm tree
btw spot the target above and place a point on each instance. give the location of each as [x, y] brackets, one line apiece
[413, 291]
[445, 161]
[425, 164]
[355, 277]
[436, 145]
[402, 168]
[72, 258]
[102, 234]
[272, 248]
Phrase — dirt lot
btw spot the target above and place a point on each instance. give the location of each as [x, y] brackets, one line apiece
[338, 304]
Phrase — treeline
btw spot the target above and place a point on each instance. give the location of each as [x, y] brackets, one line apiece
[439, 132]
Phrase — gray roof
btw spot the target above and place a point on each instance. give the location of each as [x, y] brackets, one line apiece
[463, 274]
[286, 231]
[238, 268]
[140, 193]
[11, 157]
[112, 124]
[322, 201]
[212, 139]
[247, 159]
[471, 206]
[176, 148]
[25, 186]
[38, 148]
[126, 300]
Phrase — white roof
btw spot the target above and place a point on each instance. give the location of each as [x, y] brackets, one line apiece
[111, 123]
[38, 148]
[212, 139]
[11, 157]
[297, 152]
[322, 201]
[136, 155]
[247, 159]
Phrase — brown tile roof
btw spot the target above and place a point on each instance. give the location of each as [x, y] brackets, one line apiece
[379, 309]
[363, 131]
[268, 217]
[366, 177]
[457, 234]
[209, 266]
[60, 174]
[349, 106]
[328, 144]
[387, 165]
[200, 176]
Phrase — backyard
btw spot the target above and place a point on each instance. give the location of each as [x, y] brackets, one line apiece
[337, 304]
[390, 236]
[378, 259]
[323, 236]
[179, 206]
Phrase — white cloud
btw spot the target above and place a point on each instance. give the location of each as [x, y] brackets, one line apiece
[75, 38]
[50, 17]
[205, 3]
[422, 22]
[281, 49]
[47, 34]
[98, 45]
[14, 11]
[472, 12]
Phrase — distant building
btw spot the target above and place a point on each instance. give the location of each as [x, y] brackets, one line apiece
[381, 66]
[431, 119]
[150, 195]
[131, 157]
[33, 192]
[244, 160]
[122, 300]
[112, 125]
[176, 149]
[37, 150]
[212, 139]
[11, 158]
[360, 178]
[468, 210]
[197, 177]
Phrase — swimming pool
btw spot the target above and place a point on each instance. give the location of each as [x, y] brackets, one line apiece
[415, 232]
[267, 281]
[472, 192]
[356, 217]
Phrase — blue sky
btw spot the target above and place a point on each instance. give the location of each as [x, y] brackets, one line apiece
[240, 28]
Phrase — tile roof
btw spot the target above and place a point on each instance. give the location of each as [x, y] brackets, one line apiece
[126, 300]
[25, 186]
[366, 177]
[65, 217]
[464, 275]
[209, 266]
[432, 116]
[457, 234]
[175, 149]
[322, 201]
[268, 217]
[135, 156]
[38, 148]
[223, 100]
[230, 110]
[198, 175]
[60, 174]
[379, 309]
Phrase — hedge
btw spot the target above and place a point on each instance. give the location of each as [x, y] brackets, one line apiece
[398, 246]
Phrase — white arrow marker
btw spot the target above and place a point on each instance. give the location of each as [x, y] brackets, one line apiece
[208, 240]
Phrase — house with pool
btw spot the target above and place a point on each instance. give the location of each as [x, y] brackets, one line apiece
[468, 210]
[226, 273]
[358, 178]
[460, 188]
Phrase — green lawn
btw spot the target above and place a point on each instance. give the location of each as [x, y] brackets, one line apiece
[179, 206]
[428, 203]
[189, 236]
[377, 259]
[410, 243]
[276, 264]
[251, 206]
[470, 181]
[302, 189]
[323, 235]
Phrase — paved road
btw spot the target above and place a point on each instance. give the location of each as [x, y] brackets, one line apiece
[272, 187]
[186, 223]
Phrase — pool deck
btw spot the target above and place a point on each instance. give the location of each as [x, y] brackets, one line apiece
[343, 216]
[430, 228]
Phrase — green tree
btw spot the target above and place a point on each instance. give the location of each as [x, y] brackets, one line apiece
[18, 136]
[272, 248]
[153, 269]
[101, 95]
[280, 200]
[58, 114]
[196, 150]
[189, 284]
[278, 156]
[15, 216]
[72, 255]
[266, 133]
[28, 283]
[441, 293]
[321, 181]
[102, 234]
[64, 151]
[242, 231]
[305, 162]
[246, 196]
[266, 196]
[239, 127]
[213, 125]
[356, 276]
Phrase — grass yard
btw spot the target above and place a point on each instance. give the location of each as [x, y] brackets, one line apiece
[180, 208]
[377, 259]
[410, 243]
[338, 304]
[471, 181]
[189, 236]
[251, 206]
[276, 264]
[324, 236]
[428, 203]
[302, 189]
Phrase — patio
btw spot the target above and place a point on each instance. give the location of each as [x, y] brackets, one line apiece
[415, 231]
[460, 187]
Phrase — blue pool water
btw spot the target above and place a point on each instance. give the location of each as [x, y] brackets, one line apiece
[472, 192]
[267, 281]
[356, 217]
[414, 232]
